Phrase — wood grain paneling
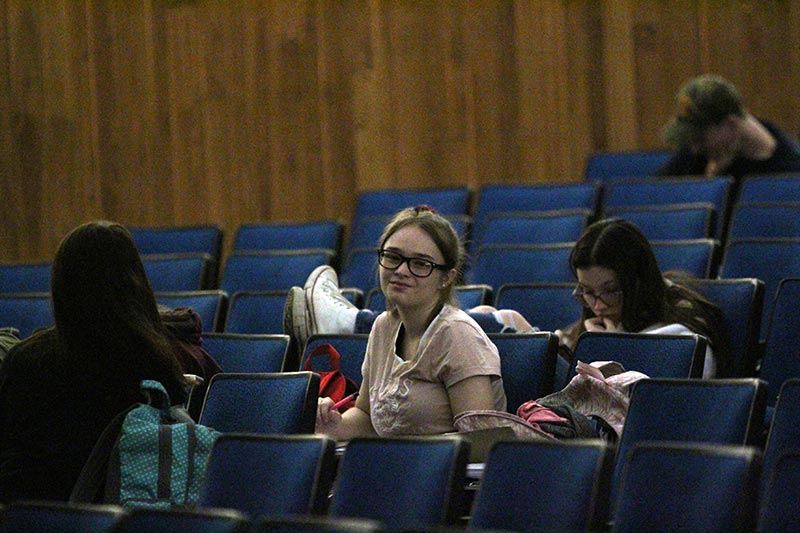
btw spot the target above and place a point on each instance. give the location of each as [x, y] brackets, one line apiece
[183, 112]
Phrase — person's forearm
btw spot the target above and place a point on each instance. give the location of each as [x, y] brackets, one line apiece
[355, 423]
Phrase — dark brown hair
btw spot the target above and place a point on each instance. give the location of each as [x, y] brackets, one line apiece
[619, 245]
[105, 310]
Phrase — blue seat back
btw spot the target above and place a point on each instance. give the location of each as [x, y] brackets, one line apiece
[496, 265]
[713, 411]
[283, 402]
[741, 302]
[368, 232]
[784, 428]
[697, 257]
[269, 475]
[209, 305]
[183, 240]
[324, 234]
[543, 486]
[351, 347]
[781, 359]
[657, 355]
[770, 188]
[380, 203]
[779, 504]
[47, 517]
[270, 271]
[178, 240]
[469, 296]
[178, 272]
[670, 222]
[247, 353]
[506, 198]
[24, 277]
[610, 165]
[360, 269]
[528, 364]
[769, 260]
[353, 295]
[778, 510]
[533, 227]
[256, 312]
[641, 192]
[757, 220]
[318, 524]
[375, 300]
[26, 312]
[406, 483]
[656, 478]
[547, 306]
[200, 520]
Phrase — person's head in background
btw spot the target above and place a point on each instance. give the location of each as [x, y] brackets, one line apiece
[618, 275]
[709, 120]
[105, 311]
[420, 258]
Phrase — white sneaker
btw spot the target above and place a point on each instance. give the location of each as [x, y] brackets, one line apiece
[328, 310]
[295, 316]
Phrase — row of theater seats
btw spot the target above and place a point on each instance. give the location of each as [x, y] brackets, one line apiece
[768, 259]
[762, 328]
[530, 364]
[712, 412]
[545, 213]
[517, 233]
[689, 458]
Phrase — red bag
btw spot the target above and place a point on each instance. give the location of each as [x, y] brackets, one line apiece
[332, 384]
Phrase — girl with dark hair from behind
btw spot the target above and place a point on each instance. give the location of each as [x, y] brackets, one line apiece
[621, 288]
[60, 387]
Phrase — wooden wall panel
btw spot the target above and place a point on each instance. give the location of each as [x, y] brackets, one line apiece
[133, 151]
[54, 182]
[666, 47]
[490, 92]
[752, 43]
[11, 216]
[620, 98]
[343, 51]
[186, 112]
[543, 85]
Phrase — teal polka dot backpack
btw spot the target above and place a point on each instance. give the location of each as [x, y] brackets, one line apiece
[152, 455]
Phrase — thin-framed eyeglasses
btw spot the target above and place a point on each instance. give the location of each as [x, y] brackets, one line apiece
[420, 268]
[589, 299]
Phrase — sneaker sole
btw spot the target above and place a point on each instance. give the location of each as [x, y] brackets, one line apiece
[295, 319]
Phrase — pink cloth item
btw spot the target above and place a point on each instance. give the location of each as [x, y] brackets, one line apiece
[535, 413]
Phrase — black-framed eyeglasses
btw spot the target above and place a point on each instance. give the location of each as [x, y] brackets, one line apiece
[588, 299]
[421, 268]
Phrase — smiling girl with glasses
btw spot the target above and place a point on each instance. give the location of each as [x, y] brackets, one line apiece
[427, 361]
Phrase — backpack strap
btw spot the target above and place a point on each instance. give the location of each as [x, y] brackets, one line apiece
[164, 482]
[323, 350]
[156, 394]
[90, 486]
